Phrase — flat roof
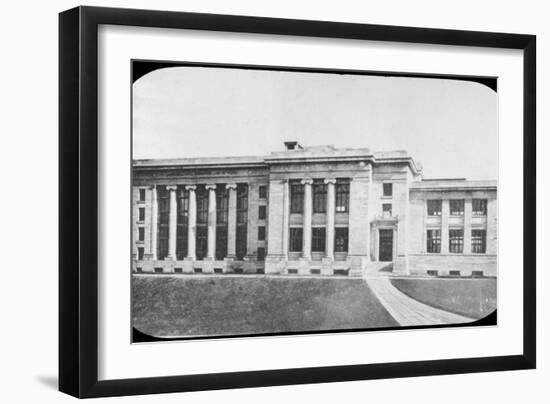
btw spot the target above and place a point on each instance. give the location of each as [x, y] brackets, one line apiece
[448, 183]
[305, 154]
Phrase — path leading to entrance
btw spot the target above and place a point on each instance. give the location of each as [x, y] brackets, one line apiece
[405, 310]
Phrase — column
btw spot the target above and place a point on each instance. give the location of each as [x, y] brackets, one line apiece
[154, 219]
[211, 250]
[286, 211]
[306, 246]
[331, 209]
[232, 220]
[467, 226]
[445, 226]
[192, 222]
[172, 222]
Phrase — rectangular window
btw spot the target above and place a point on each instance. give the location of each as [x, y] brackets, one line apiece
[479, 241]
[262, 212]
[296, 234]
[261, 233]
[456, 207]
[479, 207]
[261, 253]
[433, 240]
[341, 239]
[242, 221]
[182, 209]
[296, 198]
[242, 204]
[388, 189]
[241, 242]
[318, 237]
[141, 214]
[163, 218]
[142, 195]
[319, 197]
[141, 233]
[202, 205]
[456, 241]
[221, 242]
[262, 192]
[222, 205]
[140, 253]
[434, 207]
[202, 242]
[342, 196]
[386, 209]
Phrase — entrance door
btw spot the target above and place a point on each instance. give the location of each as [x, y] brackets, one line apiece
[386, 245]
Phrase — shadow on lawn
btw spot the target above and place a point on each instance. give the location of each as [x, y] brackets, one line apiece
[140, 337]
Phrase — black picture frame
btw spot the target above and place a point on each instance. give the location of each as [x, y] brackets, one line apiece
[78, 196]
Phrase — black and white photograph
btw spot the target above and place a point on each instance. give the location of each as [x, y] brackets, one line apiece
[271, 201]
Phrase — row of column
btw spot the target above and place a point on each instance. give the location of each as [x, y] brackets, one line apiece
[307, 218]
[192, 221]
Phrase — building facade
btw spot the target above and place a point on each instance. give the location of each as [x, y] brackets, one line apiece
[310, 211]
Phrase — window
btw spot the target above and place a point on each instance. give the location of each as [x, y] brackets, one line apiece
[163, 217]
[318, 237]
[296, 234]
[319, 197]
[261, 233]
[202, 242]
[241, 242]
[202, 206]
[387, 189]
[141, 233]
[479, 238]
[433, 239]
[142, 195]
[434, 207]
[262, 212]
[182, 209]
[342, 196]
[221, 242]
[141, 214]
[140, 253]
[386, 209]
[296, 198]
[222, 205]
[341, 239]
[456, 207]
[479, 207]
[242, 204]
[261, 253]
[456, 241]
[262, 192]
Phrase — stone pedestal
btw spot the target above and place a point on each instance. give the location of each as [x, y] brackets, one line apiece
[188, 266]
[303, 266]
[168, 265]
[228, 265]
[326, 266]
[208, 265]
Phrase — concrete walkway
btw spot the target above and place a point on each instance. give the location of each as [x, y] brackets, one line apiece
[405, 310]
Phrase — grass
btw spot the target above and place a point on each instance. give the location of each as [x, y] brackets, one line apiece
[194, 306]
[474, 298]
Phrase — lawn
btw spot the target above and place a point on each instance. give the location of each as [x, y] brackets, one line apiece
[475, 298]
[194, 306]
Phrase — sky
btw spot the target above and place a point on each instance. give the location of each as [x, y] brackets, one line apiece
[449, 126]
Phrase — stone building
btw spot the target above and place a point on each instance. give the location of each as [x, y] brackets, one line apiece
[308, 211]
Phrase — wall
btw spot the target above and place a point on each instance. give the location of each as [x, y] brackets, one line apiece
[29, 161]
